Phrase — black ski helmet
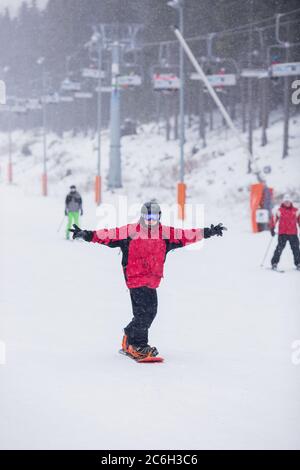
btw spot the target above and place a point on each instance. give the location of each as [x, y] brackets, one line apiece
[151, 207]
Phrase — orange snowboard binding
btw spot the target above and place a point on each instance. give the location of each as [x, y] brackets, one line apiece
[140, 353]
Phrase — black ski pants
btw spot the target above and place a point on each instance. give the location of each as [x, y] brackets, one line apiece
[294, 243]
[144, 308]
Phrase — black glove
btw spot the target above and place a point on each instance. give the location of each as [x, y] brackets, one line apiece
[86, 235]
[214, 230]
[66, 211]
[81, 212]
[272, 230]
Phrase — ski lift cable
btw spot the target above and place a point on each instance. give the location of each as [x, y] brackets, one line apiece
[217, 34]
[289, 12]
[243, 29]
[270, 26]
[246, 31]
[237, 30]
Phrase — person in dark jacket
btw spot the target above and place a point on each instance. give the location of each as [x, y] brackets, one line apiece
[73, 207]
[288, 218]
[144, 246]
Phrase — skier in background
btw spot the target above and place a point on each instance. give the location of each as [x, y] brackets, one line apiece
[144, 246]
[73, 207]
[288, 217]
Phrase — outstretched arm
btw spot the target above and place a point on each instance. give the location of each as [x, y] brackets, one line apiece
[214, 230]
[86, 235]
[112, 238]
[178, 238]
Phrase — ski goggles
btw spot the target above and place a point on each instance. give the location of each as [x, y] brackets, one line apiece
[151, 216]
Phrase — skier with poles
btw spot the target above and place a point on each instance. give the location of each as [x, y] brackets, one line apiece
[288, 217]
[73, 206]
[144, 246]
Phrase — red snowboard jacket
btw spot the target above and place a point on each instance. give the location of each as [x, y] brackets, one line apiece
[288, 218]
[144, 249]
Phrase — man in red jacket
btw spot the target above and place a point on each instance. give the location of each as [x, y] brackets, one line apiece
[144, 247]
[288, 217]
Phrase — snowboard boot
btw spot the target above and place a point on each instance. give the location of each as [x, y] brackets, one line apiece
[125, 343]
[140, 352]
[298, 267]
[274, 267]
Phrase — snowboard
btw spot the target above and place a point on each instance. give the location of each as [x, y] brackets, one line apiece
[145, 360]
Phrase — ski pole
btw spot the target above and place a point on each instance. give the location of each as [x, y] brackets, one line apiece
[266, 253]
[60, 225]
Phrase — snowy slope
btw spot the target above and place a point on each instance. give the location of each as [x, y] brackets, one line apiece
[224, 326]
[215, 175]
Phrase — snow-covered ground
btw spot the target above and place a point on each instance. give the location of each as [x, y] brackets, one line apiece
[225, 327]
[215, 175]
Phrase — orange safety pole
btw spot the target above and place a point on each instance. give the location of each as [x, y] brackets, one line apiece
[10, 172]
[181, 195]
[44, 184]
[255, 201]
[98, 189]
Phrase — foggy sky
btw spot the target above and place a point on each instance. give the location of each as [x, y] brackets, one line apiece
[13, 5]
